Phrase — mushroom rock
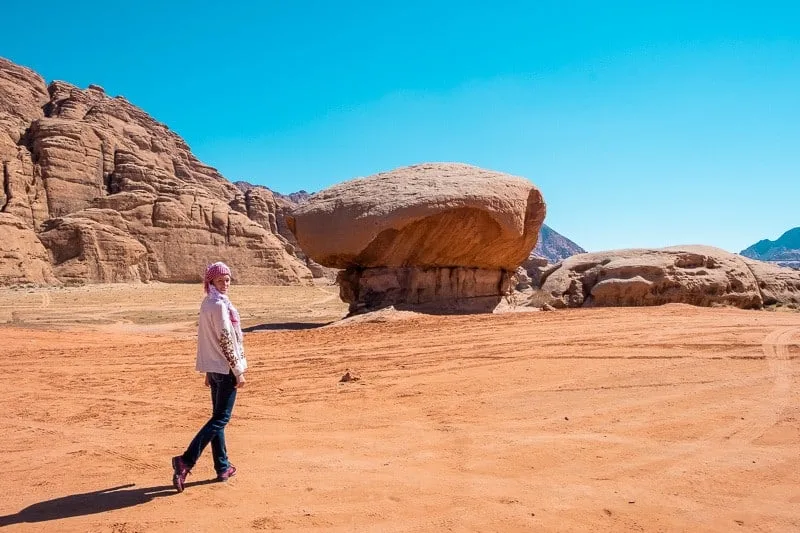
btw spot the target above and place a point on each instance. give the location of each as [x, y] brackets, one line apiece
[435, 237]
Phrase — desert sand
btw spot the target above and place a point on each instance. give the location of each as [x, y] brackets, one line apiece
[672, 418]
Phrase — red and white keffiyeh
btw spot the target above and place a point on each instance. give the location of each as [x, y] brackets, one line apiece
[213, 271]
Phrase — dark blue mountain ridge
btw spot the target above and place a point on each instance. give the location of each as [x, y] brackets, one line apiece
[785, 249]
[553, 246]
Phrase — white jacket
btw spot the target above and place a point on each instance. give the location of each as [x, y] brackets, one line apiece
[220, 345]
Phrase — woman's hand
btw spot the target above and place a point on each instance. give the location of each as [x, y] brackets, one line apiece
[206, 382]
[240, 381]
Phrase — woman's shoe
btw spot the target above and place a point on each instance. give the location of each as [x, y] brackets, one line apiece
[180, 471]
[226, 474]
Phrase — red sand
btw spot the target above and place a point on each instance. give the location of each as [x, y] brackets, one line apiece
[652, 419]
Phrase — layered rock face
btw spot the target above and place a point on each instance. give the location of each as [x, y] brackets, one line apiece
[697, 275]
[279, 208]
[112, 195]
[23, 258]
[432, 237]
[777, 285]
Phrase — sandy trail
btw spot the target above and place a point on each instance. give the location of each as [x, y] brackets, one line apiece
[661, 419]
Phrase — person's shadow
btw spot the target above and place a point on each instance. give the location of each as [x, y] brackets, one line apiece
[88, 503]
[277, 326]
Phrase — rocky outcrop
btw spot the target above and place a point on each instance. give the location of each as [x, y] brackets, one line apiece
[278, 207]
[113, 195]
[432, 236]
[529, 273]
[83, 249]
[778, 285]
[697, 275]
[23, 200]
[23, 258]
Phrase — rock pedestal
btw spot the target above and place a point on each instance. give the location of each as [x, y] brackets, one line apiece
[433, 289]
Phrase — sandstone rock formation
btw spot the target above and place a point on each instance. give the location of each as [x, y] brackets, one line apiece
[777, 285]
[23, 258]
[279, 208]
[436, 236]
[529, 273]
[551, 247]
[112, 195]
[698, 275]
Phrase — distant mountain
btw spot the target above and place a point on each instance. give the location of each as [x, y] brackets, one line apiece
[299, 197]
[784, 251]
[555, 247]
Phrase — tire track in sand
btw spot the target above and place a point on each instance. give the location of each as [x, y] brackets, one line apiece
[750, 427]
[776, 352]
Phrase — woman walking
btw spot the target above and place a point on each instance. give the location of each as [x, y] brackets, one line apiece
[220, 355]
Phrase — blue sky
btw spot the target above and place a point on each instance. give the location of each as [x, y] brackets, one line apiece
[645, 124]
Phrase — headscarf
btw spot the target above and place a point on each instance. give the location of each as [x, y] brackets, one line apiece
[213, 271]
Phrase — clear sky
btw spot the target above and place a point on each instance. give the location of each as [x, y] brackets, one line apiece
[645, 124]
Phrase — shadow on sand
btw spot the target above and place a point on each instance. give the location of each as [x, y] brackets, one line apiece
[285, 325]
[91, 503]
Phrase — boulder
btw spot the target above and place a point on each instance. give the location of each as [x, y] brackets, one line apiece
[424, 215]
[777, 285]
[534, 267]
[697, 275]
[521, 280]
[436, 236]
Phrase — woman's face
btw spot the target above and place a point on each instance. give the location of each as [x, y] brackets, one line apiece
[221, 283]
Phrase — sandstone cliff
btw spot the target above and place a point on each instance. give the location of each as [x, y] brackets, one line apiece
[280, 209]
[96, 190]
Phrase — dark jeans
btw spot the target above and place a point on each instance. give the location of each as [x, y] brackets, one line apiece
[223, 395]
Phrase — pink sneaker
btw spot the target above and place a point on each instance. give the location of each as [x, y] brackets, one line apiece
[227, 473]
[180, 472]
